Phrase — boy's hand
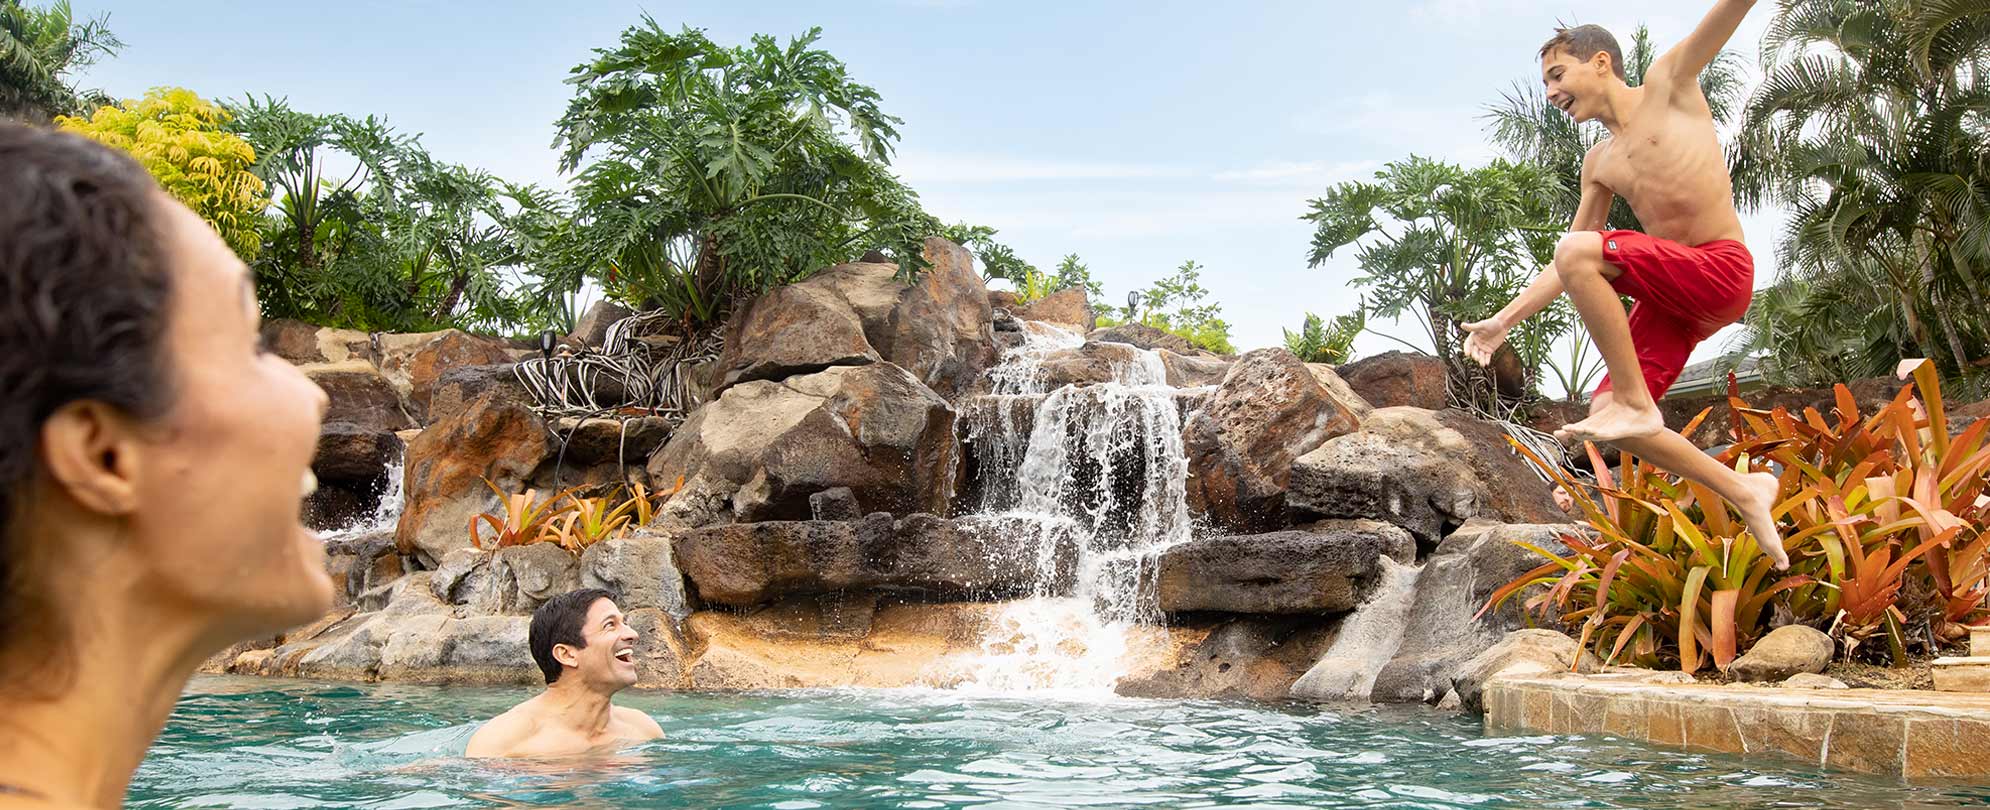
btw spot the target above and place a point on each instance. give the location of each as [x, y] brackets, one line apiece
[1486, 337]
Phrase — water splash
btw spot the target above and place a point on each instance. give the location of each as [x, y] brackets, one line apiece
[387, 514]
[1368, 638]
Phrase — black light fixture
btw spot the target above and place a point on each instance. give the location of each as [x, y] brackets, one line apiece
[548, 340]
[1132, 305]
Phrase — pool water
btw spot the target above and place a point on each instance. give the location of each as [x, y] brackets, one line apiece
[292, 744]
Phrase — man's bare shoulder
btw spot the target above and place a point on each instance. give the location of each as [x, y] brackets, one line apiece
[640, 722]
[501, 735]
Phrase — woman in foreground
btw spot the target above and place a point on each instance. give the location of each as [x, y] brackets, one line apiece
[152, 460]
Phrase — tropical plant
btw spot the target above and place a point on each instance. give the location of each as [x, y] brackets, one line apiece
[402, 242]
[1315, 342]
[708, 173]
[1447, 245]
[1072, 273]
[181, 139]
[1530, 130]
[1175, 304]
[998, 261]
[39, 49]
[524, 521]
[1870, 127]
[1884, 515]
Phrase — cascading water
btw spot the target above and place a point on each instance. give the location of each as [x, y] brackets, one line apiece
[387, 514]
[1097, 475]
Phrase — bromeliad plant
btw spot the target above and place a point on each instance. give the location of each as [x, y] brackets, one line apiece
[1884, 516]
[567, 519]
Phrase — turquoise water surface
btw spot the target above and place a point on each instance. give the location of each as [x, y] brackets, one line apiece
[290, 744]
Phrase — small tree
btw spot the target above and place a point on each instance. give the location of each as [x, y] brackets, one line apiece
[1446, 245]
[181, 140]
[1175, 305]
[1316, 342]
[711, 173]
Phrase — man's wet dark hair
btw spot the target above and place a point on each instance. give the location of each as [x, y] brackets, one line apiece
[84, 297]
[1584, 42]
[560, 621]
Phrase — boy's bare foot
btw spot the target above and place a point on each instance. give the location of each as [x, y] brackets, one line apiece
[1764, 487]
[1613, 422]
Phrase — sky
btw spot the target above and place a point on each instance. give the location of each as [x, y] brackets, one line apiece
[1135, 135]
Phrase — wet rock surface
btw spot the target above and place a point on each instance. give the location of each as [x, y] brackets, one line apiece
[1320, 569]
[1269, 410]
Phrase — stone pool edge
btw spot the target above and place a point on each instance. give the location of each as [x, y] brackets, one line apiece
[1901, 733]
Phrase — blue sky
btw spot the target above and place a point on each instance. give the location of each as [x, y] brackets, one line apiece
[1136, 135]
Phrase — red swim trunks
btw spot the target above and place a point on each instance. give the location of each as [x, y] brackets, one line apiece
[1684, 295]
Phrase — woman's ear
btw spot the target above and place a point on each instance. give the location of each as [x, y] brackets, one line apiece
[91, 451]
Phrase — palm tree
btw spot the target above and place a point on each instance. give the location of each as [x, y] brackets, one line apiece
[1530, 130]
[1872, 126]
[39, 49]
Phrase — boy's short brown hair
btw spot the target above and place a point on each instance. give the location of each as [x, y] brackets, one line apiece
[1584, 42]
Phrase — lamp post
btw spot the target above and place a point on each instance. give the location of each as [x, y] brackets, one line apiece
[547, 341]
[1132, 305]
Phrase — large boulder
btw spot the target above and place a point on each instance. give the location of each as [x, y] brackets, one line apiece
[1093, 363]
[1428, 472]
[795, 329]
[592, 329]
[415, 363]
[746, 564]
[354, 454]
[471, 651]
[1399, 379]
[493, 439]
[941, 329]
[1149, 338]
[1269, 411]
[1443, 629]
[761, 449]
[304, 344]
[1520, 653]
[1067, 307]
[1186, 371]
[838, 642]
[458, 387]
[360, 395]
[1249, 658]
[641, 571]
[1325, 568]
[1785, 652]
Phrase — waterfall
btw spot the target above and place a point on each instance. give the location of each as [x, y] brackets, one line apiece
[1100, 468]
[1368, 638]
[387, 514]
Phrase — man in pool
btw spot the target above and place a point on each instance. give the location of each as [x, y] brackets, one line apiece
[587, 651]
[1690, 274]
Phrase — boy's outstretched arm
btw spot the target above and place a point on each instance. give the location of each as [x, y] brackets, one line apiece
[1699, 49]
[1593, 214]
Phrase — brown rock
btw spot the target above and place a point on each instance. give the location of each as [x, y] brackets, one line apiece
[1324, 568]
[1269, 411]
[1398, 379]
[494, 440]
[1785, 652]
[1522, 652]
[761, 449]
[940, 330]
[360, 395]
[458, 387]
[1193, 372]
[1251, 659]
[1149, 338]
[351, 454]
[415, 363]
[1090, 364]
[1004, 299]
[746, 564]
[304, 344]
[1067, 307]
[830, 644]
[592, 329]
[661, 654]
[1426, 472]
[641, 571]
[795, 329]
[626, 441]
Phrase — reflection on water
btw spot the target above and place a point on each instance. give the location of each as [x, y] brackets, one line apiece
[268, 744]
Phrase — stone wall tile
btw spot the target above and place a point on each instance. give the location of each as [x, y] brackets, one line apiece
[1869, 742]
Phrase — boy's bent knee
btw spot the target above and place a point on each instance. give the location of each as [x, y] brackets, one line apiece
[1580, 252]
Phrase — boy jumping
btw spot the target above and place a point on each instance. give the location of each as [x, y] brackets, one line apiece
[1690, 275]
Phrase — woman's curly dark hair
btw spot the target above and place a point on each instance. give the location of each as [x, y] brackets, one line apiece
[84, 296]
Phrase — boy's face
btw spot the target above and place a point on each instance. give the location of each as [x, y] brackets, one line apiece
[1574, 85]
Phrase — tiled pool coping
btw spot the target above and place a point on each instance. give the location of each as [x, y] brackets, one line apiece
[1911, 734]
